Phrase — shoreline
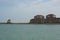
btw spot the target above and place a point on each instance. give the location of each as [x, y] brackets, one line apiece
[31, 23]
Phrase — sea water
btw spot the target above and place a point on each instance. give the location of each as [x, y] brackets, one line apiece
[29, 32]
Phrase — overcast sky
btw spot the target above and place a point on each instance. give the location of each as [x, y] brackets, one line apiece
[24, 10]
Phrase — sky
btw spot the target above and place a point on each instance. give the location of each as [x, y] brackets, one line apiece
[24, 10]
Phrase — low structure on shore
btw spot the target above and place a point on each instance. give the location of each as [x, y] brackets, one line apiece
[57, 20]
[8, 21]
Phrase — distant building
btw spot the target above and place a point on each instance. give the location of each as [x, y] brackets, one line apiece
[38, 19]
[51, 18]
[32, 21]
[57, 20]
[8, 21]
